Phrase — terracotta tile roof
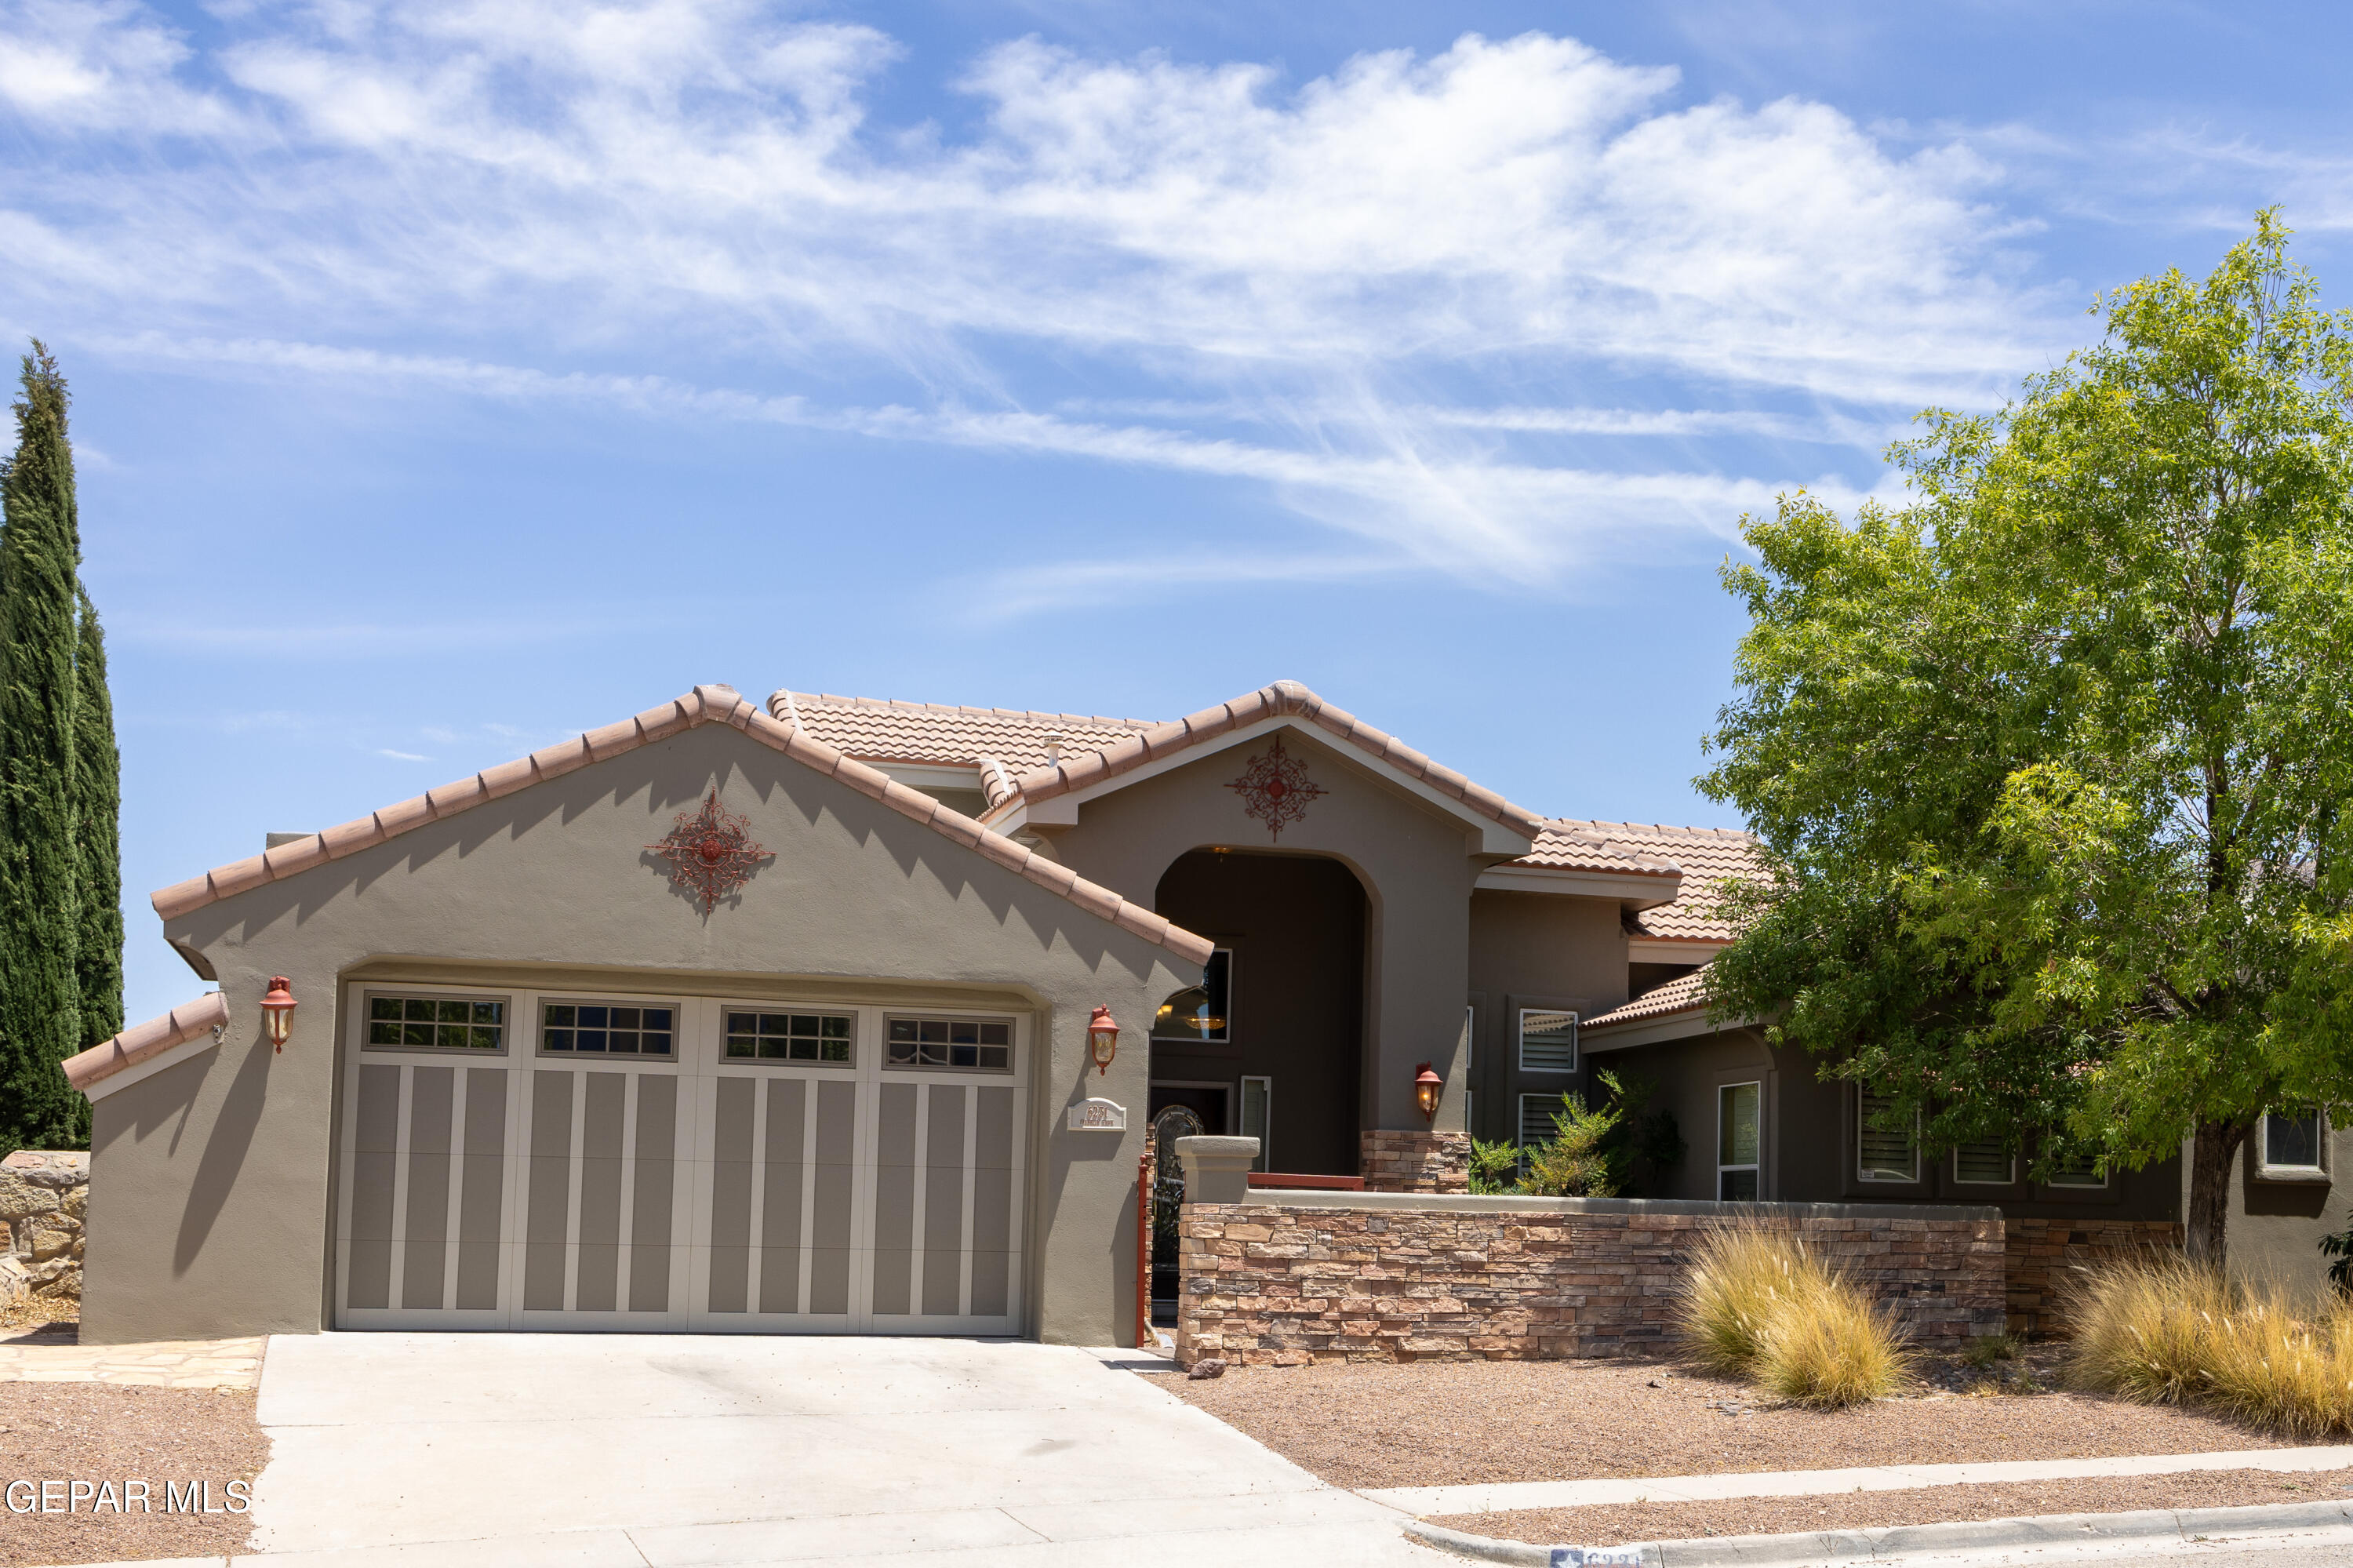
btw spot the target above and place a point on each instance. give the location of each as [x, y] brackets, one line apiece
[1575, 846]
[1684, 993]
[143, 1041]
[877, 730]
[704, 705]
[1283, 698]
[1707, 856]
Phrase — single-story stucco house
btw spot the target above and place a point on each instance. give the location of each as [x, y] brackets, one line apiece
[730, 1020]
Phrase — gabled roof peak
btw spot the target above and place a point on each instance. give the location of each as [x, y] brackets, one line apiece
[1280, 699]
[704, 705]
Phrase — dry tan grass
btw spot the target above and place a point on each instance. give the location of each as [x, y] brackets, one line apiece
[2169, 1331]
[1760, 1306]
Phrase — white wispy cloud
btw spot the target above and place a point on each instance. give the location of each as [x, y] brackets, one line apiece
[1300, 278]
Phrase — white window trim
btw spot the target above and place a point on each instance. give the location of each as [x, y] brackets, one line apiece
[931, 1015]
[2267, 1171]
[1758, 1165]
[370, 990]
[1961, 1181]
[1878, 1178]
[1265, 1133]
[1576, 1044]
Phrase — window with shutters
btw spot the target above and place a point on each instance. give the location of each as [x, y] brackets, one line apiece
[1536, 1112]
[1888, 1144]
[2077, 1171]
[1990, 1164]
[1739, 1140]
[1548, 1040]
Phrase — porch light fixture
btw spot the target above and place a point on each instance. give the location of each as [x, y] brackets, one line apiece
[278, 1011]
[1425, 1087]
[1103, 1039]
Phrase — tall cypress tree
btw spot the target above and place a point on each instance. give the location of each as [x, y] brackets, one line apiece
[41, 1017]
[98, 808]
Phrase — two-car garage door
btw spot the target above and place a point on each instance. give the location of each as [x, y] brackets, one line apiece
[516, 1159]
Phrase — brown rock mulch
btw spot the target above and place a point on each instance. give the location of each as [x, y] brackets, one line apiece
[1618, 1524]
[1454, 1423]
[103, 1431]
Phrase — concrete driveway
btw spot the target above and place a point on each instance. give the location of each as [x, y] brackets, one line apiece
[527, 1450]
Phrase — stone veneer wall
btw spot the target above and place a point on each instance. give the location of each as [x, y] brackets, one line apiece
[1394, 1160]
[42, 1199]
[2041, 1253]
[1517, 1278]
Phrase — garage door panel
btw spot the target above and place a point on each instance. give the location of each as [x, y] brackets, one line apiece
[800, 1184]
[375, 1142]
[785, 1188]
[944, 1200]
[731, 1172]
[547, 1234]
[426, 1199]
[481, 1201]
[653, 1194]
[432, 1104]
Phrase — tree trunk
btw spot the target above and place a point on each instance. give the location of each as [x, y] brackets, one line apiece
[2210, 1151]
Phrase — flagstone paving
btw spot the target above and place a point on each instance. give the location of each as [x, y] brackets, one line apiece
[49, 1356]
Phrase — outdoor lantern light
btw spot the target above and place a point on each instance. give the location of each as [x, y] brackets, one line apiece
[1426, 1085]
[278, 1011]
[1103, 1039]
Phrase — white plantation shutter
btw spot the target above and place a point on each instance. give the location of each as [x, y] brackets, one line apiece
[1886, 1156]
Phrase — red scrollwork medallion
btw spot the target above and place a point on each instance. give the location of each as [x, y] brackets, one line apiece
[1275, 789]
[711, 852]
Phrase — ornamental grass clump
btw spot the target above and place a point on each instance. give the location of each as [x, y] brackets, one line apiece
[2164, 1331]
[1761, 1306]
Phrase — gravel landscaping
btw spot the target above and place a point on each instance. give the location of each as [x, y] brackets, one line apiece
[1448, 1423]
[102, 1432]
[1618, 1524]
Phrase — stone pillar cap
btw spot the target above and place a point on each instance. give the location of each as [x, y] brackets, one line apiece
[1247, 1147]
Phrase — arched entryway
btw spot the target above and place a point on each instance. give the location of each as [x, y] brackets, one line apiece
[1272, 1043]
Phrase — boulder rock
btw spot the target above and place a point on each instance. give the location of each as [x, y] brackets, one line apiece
[49, 1242]
[21, 1199]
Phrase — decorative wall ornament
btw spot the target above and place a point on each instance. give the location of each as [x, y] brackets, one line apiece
[711, 852]
[1275, 789]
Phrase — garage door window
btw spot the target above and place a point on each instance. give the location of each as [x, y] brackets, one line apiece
[951, 1042]
[435, 1022]
[789, 1036]
[630, 1028]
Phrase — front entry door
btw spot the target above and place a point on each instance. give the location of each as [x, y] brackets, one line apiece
[543, 1160]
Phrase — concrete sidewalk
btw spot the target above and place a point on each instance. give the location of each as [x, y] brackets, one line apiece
[587, 1451]
[1505, 1496]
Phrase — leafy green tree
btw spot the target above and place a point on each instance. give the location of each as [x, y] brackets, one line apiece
[2049, 763]
[41, 1017]
[98, 811]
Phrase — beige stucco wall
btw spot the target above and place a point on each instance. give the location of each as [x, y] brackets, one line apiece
[1417, 862]
[211, 1181]
[2274, 1227]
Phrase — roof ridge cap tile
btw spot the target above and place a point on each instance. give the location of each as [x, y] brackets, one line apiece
[143, 1041]
[910, 704]
[704, 705]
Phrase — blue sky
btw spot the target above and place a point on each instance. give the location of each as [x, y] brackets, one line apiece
[450, 377]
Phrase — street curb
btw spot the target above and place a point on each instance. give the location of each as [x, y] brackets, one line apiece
[1828, 1549]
